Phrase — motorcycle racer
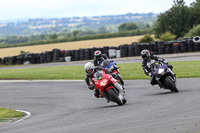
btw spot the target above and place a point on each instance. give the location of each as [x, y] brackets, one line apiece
[147, 60]
[99, 58]
[90, 70]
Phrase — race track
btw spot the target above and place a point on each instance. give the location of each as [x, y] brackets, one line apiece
[69, 107]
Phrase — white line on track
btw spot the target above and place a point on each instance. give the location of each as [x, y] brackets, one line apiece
[28, 114]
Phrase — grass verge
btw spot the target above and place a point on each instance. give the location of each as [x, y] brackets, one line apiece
[183, 69]
[9, 115]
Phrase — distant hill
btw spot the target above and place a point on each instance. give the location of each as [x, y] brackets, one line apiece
[56, 25]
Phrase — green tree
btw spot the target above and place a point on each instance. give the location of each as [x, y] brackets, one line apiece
[177, 20]
[102, 30]
[75, 34]
[168, 36]
[147, 39]
[195, 31]
[127, 26]
[195, 9]
[53, 36]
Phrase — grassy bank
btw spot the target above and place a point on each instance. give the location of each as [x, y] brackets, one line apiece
[183, 69]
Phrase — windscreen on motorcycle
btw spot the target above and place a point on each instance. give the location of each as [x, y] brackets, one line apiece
[107, 65]
[98, 75]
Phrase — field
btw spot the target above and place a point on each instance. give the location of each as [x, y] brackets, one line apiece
[7, 52]
[128, 71]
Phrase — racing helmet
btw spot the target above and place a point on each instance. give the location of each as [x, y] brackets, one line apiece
[145, 54]
[97, 54]
[89, 68]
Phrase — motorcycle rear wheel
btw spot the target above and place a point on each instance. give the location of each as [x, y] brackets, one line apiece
[171, 84]
[115, 97]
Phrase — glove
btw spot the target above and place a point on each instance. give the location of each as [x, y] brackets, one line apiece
[91, 87]
[150, 74]
[165, 62]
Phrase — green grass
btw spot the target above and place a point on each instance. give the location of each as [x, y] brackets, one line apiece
[6, 114]
[183, 69]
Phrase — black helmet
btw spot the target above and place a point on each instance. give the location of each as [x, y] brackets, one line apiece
[145, 54]
[97, 54]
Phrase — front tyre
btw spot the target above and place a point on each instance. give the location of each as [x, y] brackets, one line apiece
[172, 86]
[115, 97]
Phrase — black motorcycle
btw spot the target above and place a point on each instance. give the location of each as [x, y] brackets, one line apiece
[164, 76]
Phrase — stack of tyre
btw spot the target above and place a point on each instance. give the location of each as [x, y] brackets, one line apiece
[196, 41]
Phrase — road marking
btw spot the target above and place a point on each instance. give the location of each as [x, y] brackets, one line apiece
[28, 114]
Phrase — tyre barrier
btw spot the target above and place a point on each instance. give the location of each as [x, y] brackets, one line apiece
[176, 47]
[161, 47]
[92, 52]
[131, 50]
[82, 54]
[77, 55]
[125, 50]
[150, 47]
[49, 57]
[112, 52]
[168, 47]
[138, 49]
[105, 50]
[20, 59]
[56, 54]
[88, 54]
[196, 41]
[73, 52]
[183, 46]
[143, 46]
[156, 47]
[190, 45]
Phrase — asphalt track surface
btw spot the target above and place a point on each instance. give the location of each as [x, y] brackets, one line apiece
[69, 107]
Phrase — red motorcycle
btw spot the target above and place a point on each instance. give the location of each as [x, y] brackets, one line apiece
[109, 88]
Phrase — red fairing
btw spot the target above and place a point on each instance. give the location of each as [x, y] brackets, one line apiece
[116, 72]
[101, 84]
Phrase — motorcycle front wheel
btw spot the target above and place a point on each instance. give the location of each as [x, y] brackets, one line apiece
[169, 82]
[114, 97]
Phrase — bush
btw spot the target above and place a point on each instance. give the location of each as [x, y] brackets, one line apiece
[195, 31]
[147, 39]
[167, 36]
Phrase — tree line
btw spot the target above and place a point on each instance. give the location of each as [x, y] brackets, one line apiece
[179, 20]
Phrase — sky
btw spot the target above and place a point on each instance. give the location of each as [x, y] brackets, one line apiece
[20, 9]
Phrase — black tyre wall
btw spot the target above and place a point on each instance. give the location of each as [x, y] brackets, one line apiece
[88, 54]
[176, 47]
[131, 50]
[161, 47]
[168, 47]
[124, 50]
[190, 45]
[56, 54]
[77, 55]
[196, 41]
[183, 46]
[106, 50]
[138, 49]
[150, 47]
[82, 54]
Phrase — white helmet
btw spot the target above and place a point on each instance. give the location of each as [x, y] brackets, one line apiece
[89, 68]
